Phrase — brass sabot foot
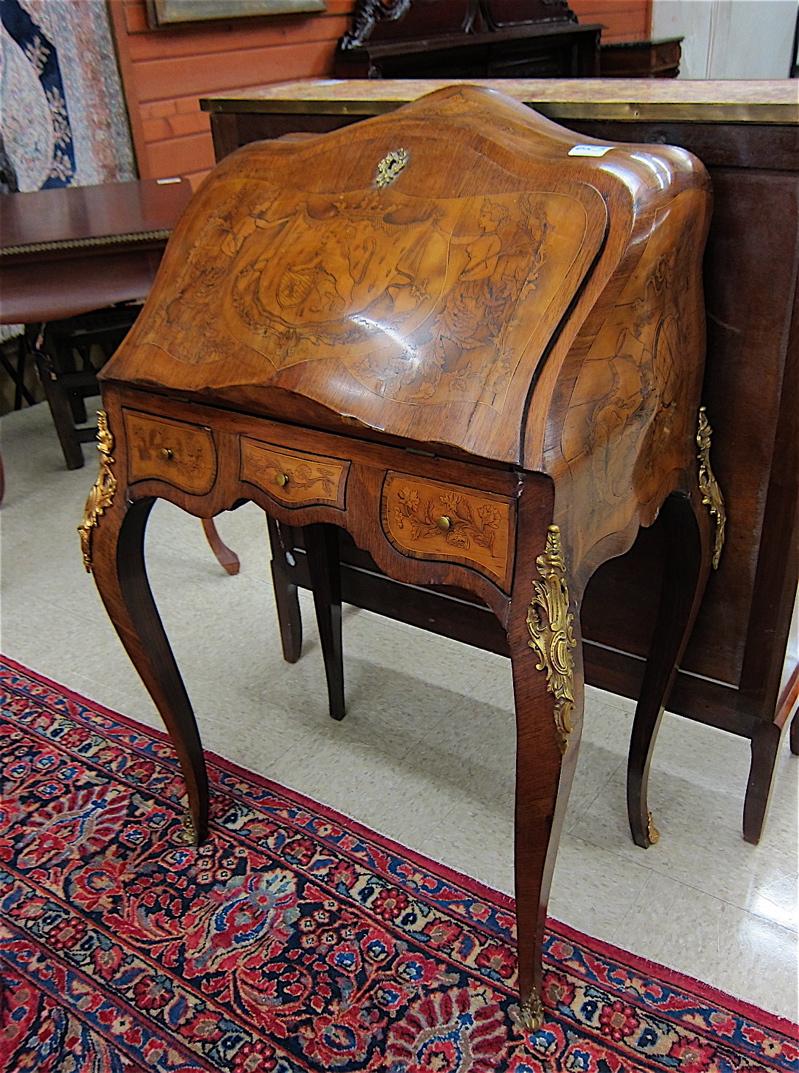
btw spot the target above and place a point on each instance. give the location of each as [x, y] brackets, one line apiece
[651, 831]
[531, 1013]
[188, 836]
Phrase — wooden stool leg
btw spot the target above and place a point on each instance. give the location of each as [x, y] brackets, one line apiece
[286, 600]
[547, 666]
[684, 579]
[321, 542]
[116, 555]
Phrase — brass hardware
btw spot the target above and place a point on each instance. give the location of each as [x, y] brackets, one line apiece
[319, 102]
[102, 493]
[531, 1013]
[708, 485]
[443, 523]
[188, 836]
[165, 453]
[550, 624]
[281, 479]
[652, 832]
[82, 243]
[390, 166]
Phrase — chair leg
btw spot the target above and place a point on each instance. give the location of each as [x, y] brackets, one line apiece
[17, 373]
[226, 557]
[684, 579]
[60, 407]
[286, 600]
[321, 542]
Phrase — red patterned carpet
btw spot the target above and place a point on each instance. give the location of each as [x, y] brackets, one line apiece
[293, 940]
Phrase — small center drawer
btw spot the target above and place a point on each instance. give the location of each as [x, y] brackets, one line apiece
[293, 478]
[161, 449]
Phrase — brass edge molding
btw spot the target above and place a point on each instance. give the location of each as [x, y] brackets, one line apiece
[102, 494]
[766, 113]
[82, 243]
[390, 166]
[531, 1013]
[550, 624]
[708, 485]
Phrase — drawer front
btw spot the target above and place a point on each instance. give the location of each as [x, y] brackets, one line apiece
[428, 520]
[293, 478]
[162, 449]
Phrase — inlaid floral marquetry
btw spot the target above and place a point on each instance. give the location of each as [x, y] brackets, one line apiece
[292, 478]
[428, 520]
[161, 449]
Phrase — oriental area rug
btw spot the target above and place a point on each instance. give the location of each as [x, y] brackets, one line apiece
[293, 940]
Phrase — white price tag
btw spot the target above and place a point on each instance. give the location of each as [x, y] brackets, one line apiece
[589, 150]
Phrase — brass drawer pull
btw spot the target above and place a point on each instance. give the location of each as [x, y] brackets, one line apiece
[281, 479]
[166, 454]
[443, 523]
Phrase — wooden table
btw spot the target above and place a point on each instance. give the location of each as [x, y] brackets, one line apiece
[72, 250]
[737, 673]
[469, 339]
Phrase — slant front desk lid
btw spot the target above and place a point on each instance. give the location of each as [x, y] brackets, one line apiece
[412, 276]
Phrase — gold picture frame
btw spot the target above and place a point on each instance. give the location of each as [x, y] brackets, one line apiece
[175, 12]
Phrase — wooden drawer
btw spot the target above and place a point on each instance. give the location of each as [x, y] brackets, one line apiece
[428, 520]
[161, 449]
[293, 478]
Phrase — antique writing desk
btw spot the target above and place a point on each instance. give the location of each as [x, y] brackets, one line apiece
[469, 339]
[739, 672]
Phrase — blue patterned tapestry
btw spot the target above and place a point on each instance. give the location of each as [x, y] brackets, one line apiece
[64, 120]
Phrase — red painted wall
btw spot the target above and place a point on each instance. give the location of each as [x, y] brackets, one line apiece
[165, 71]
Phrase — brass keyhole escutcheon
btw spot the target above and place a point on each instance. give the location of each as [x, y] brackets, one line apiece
[443, 523]
[281, 480]
[165, 453]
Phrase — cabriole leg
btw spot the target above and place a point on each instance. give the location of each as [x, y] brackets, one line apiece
[544, 645]
[684, 579]
[112, 535]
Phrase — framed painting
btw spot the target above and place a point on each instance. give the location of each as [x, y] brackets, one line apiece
[171, 12]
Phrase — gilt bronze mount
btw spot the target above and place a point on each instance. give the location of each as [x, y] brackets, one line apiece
[102, 493]
[550, 624]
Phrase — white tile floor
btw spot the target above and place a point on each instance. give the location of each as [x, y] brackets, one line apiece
[425, 754]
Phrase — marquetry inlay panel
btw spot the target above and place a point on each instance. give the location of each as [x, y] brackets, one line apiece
[292, 478]
[162, 449]
[429, 520]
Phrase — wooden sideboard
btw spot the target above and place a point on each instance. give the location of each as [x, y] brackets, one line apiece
[737, 673]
